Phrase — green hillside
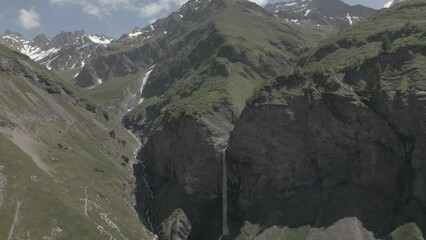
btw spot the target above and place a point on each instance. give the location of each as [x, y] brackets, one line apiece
[62, 175]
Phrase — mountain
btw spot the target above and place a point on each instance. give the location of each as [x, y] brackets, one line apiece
[334, 150]
[65, 171]
[333, 13]
[247, 126]
[181, 82]
[67, 50]
[392, 3]
[116, 73]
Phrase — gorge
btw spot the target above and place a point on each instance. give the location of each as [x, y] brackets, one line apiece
[223, 120]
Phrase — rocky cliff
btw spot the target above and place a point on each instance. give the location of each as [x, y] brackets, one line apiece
[192, 99]
[337, 145]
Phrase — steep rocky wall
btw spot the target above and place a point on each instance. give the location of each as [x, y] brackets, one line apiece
[318, 157]
[183, 162]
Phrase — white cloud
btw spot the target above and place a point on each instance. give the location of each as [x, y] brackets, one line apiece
[98, 8]
[101, 8]
[29, 19]
[260, 2]
[154, 8]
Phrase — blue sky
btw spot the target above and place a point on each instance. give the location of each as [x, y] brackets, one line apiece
[110, 17]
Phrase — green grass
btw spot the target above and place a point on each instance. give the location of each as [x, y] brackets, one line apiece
[218, 65]
[359, 50]
[42, 200]
[92, 161]
[113, 90]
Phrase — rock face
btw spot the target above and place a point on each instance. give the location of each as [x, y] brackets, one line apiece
[347, 228]
[192, 98]
[322, 162]
[175, 227]
[67, 50]
[319, 146]
[185, 175]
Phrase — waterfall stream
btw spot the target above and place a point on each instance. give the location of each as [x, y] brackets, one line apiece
[225, 229]
[144, 176]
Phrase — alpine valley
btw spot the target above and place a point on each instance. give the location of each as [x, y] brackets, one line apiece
[300, 120]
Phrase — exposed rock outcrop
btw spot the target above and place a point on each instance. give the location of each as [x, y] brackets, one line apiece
[183, 174]
[315, 154]
[175, 227]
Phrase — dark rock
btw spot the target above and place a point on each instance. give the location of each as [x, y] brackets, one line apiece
[99, 170]
[125, 159]
[62, 146]
[105, 114]
[112, 134]
[315, 159]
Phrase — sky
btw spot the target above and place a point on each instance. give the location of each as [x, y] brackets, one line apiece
[110, 17]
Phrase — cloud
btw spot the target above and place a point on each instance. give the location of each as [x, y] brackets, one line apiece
[102, 8]
[29, 19]
[98, 8]
[260, 2]
[153, 9]
[156, 7]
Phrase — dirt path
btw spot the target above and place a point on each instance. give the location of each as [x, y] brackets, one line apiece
[15, 220]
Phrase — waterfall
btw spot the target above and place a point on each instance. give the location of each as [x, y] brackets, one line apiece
[225, 229]
[144, 173]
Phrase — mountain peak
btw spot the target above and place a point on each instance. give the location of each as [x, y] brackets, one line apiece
[334, 13]
[9, 32]
[67, 50]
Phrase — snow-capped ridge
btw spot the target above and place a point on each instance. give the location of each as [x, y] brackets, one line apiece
[66, 50]
[332, 13]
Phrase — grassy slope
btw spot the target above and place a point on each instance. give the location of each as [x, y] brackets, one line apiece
[114, 90]
[359, 48]
[257, 40]
[50, 182]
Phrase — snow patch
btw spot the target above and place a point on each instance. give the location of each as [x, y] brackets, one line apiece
[388, 4]
[99, 40]
[10, 37]
[49, 62]
[37, 54]
[307, 12]
[145, 78]
[290, 4]
[349, 18]
[135, 34]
